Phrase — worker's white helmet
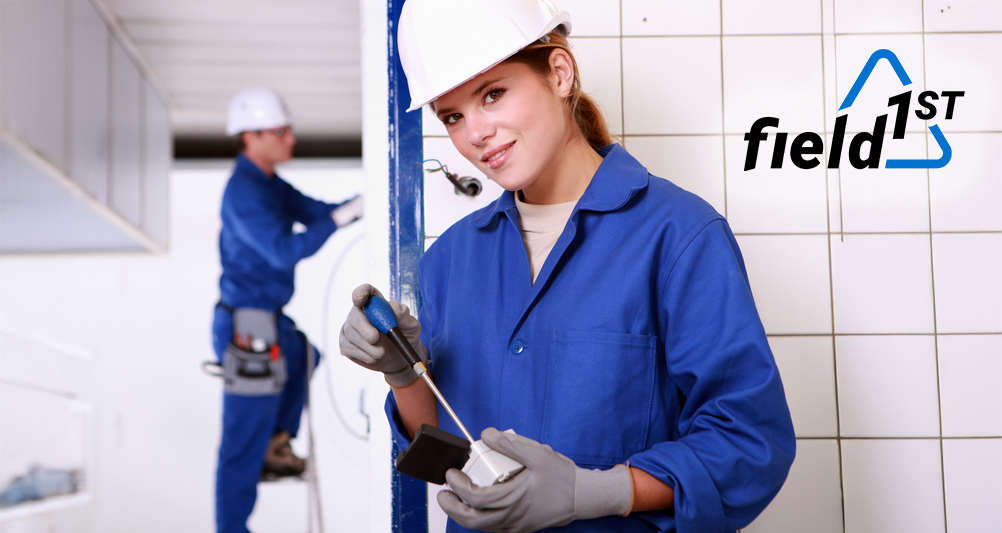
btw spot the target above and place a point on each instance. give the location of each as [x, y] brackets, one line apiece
[445, 43]
[255, 109]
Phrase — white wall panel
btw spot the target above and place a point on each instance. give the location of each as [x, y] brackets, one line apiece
[33, 62]
[126, 126]
[157, 151]
[89, 100]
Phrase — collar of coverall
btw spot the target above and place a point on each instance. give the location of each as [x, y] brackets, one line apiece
[618, 178]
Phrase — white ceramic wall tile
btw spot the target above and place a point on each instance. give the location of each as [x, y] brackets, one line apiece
[773, 76]
[878, 16]
[887, 386]
[852, 53]
[694, 163]
[442, 206]
[970, 370]
[671, 85]
[807, 366]
[962, 15]
[428, 241]
[973, 479]
[965, 195]
[601, 77]
[767, 200]
[964, 62]
[811, 498]
[882, 283]
[892, 486]
[881, 199]
[592, 18]
[657, 17]
[968, 275]
[789, 277]
[770, 17]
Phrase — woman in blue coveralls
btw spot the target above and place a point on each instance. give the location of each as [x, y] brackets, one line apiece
[602, 313]
[259, 251]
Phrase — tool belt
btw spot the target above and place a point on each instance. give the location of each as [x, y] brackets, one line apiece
[253, 363]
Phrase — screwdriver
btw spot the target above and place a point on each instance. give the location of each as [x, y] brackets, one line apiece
[382, 317]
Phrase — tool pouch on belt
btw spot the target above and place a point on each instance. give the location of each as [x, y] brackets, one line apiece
[254, 364]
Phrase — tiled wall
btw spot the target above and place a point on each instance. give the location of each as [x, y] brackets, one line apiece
[881, 290]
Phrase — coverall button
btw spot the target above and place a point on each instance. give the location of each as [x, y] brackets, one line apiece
[517, 347]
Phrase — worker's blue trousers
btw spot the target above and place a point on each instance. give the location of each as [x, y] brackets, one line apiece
[249, 423]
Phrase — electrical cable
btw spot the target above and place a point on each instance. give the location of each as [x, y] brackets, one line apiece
[330, 381]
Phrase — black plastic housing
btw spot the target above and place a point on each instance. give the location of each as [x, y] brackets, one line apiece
[432, 453]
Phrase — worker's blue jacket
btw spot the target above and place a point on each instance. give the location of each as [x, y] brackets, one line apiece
[257, 247]
[639, 342]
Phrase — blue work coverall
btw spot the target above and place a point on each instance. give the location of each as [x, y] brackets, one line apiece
[639, 342]
[259, 252]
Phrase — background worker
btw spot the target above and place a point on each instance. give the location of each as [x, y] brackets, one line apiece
[263, 354]
[602, 313]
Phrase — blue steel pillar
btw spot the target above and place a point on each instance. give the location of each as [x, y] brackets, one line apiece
[410, 501]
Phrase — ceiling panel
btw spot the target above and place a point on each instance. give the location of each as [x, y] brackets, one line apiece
[204, 51]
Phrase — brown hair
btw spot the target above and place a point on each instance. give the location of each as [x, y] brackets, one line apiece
[585, 111]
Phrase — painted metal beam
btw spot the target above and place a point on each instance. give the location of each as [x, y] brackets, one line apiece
[410, 501]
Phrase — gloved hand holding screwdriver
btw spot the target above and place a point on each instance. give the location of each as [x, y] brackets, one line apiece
[361, 342]
[551, 491]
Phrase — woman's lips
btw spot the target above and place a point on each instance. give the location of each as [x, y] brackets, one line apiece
[495, 158]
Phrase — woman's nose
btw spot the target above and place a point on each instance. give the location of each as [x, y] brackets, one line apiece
[479, 128]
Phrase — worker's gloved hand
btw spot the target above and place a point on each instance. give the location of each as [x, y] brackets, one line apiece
[551, 491]
[349, 211]
[362, 343]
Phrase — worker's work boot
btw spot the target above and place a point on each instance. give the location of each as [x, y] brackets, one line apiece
[280, 461]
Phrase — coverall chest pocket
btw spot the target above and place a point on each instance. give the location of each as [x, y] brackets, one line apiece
[599, 393]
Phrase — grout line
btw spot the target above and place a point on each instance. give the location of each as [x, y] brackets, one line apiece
[990, 437]
[847, 133]
[622, 80]
[831, 262]
[870, 233]
[805, 34]
[940, 334]
[932, 279]
[723, 108]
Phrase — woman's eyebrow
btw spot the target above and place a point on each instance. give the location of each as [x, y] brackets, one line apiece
[480, 88]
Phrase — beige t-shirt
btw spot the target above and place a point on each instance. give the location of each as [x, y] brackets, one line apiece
[541, 226]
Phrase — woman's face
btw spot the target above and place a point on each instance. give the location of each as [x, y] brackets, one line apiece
[510, 122]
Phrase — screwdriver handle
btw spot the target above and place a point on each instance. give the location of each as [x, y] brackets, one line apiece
[381, 315]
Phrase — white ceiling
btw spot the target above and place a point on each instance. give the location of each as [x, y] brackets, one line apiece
[203, 51]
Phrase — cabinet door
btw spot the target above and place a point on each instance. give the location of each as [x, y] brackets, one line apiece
[88, 99]
[158, 152]
[33, 84]
[126, 132]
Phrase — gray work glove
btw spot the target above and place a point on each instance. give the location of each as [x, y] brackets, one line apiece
[349, 211]
[361, 342]
[551, 491]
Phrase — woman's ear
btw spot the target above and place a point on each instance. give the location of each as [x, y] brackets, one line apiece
[562, 72]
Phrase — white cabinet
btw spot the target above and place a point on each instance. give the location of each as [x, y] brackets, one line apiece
[89, 100]
[33, 80]
[84, 135]
[126, 143]
[157, 152]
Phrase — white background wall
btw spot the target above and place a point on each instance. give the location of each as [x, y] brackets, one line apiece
[145, 321]
[881, 290]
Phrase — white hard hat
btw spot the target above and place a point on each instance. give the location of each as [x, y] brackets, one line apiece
[255, 109]
[445, 43]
